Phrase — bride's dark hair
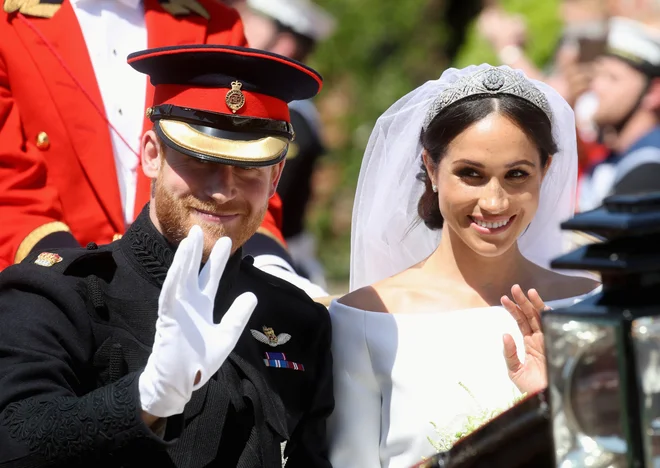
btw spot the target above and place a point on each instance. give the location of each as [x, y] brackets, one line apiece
[456, 118]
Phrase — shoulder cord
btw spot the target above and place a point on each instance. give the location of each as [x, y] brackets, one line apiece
[80, 86]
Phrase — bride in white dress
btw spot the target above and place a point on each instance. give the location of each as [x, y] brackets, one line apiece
[419, 340]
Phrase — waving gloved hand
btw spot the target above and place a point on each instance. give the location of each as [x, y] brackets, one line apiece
[188, 347]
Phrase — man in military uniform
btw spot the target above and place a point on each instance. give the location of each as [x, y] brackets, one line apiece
[127, 355]
[627, 86]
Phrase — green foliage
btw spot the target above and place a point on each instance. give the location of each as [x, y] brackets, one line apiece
[543, 26]
[381, 50]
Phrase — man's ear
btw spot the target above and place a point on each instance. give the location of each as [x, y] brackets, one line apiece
[151, 151]
[651, 100]
[276, 174]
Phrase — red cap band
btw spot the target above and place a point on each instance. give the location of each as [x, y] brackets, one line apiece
[213, 100]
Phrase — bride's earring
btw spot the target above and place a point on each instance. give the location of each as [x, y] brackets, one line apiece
[435, 188]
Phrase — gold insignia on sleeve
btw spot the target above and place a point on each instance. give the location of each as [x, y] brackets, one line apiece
[33, 7]
[184, 7]
[47, 259]
[269, 337]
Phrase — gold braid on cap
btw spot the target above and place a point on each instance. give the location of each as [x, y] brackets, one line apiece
[490, 81]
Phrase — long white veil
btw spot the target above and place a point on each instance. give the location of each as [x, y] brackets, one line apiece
[387, 236]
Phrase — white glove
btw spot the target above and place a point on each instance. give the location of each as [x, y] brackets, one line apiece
[187, 342]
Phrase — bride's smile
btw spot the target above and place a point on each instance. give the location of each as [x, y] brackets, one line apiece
[491, 225]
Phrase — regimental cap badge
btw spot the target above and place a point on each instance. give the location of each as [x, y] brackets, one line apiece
[48, 259]
[235, 98]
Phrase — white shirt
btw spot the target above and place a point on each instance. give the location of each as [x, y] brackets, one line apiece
[113, 29]
[277, 266]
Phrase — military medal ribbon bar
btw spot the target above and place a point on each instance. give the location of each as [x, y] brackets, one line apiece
[279, 360]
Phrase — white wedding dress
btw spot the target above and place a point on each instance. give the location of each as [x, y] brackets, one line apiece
[396, 374]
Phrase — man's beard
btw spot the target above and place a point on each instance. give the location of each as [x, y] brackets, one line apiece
[174, 216]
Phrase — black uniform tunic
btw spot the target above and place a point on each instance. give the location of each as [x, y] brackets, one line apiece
[75, 336]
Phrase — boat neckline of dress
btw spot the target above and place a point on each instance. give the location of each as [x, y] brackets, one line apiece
[430, 312]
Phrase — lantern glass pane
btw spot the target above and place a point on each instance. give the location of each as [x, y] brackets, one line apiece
[585, 392]
[646, 342]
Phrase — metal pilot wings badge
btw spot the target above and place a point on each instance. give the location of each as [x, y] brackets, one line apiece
[269, 337]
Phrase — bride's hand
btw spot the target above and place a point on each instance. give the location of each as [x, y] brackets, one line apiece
[531, 376]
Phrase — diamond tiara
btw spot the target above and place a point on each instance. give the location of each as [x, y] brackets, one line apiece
[490, 81]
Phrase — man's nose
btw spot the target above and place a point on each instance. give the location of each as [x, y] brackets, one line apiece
[221, 183]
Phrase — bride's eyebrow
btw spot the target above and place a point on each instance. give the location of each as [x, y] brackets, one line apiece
[469, 163]
[521, 162]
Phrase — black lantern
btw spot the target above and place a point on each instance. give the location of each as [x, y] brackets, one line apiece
[602, 405]
[603, 354]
